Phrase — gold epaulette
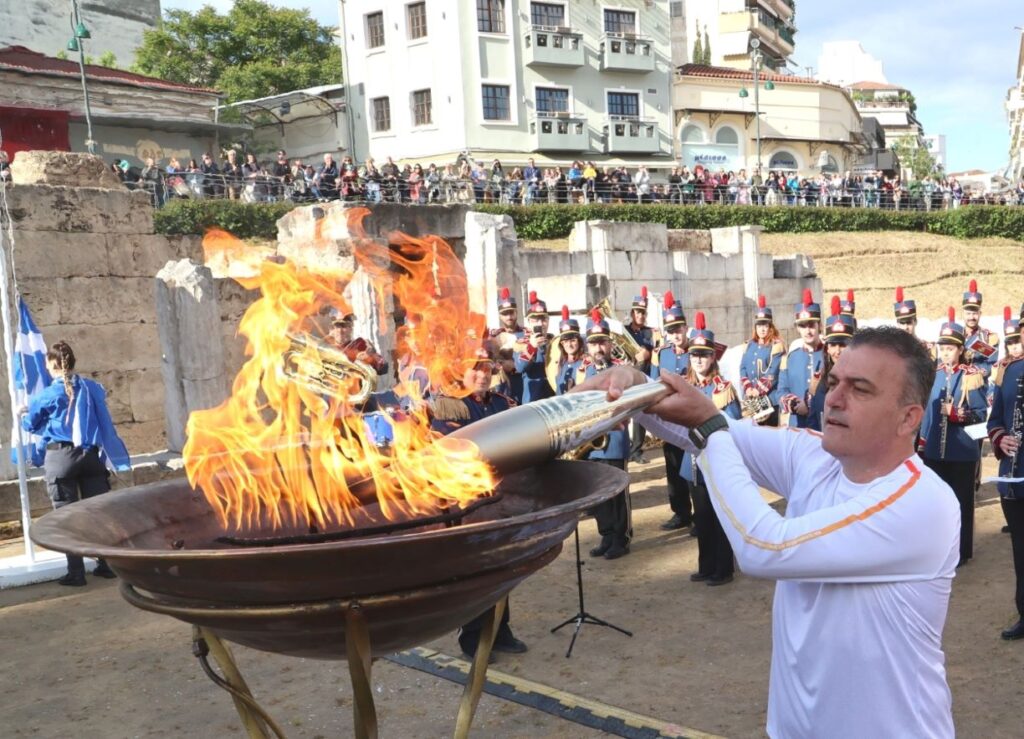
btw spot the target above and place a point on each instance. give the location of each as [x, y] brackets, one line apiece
[997, 372]
[778, 348]
[993, 339]
[449, 409]
[785, 363]
[973, 379]
[656, 356]
[723, 394]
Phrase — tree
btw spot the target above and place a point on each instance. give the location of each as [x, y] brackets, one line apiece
[108, 59]
[707, 47]
[253, 51]
[913, 158]
[698, 49]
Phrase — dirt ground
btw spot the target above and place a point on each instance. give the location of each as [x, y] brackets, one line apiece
[82, 663]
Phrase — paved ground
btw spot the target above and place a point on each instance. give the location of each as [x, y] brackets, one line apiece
[84, 664]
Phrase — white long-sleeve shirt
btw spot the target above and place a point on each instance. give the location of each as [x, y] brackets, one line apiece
[864, 575]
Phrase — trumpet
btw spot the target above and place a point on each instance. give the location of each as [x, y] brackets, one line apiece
[327, 370]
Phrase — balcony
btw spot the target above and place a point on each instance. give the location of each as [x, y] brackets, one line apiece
[624, 135]
[553, 46]
[627, 52]
[771, 32]
[559, 132]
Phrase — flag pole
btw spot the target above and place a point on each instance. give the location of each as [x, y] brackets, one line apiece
[5, 315]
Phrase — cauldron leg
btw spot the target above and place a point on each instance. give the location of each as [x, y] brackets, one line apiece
[478, 672]
[357, 648]
[257, 723]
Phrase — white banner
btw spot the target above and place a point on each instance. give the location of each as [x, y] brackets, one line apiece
[712, 156]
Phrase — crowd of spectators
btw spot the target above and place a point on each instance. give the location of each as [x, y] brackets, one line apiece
[244, 177]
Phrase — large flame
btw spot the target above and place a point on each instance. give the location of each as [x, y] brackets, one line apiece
[278, 453]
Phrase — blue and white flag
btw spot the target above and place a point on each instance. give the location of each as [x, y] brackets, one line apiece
[30, 376]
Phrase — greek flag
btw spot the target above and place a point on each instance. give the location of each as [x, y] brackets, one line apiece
[30, 376]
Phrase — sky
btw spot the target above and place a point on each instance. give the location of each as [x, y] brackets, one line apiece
[958, 59]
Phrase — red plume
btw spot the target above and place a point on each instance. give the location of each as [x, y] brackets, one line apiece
[699, 321]
[669, 299]
[505, 294]
[899, 294]
[952, 314]
[533, 297]
[807, 296]
[595, 316]
[835, 305]
[565, 313]
[761, 302]
[643, 292]
[973, 287]
[849, 296]
[1007, 313]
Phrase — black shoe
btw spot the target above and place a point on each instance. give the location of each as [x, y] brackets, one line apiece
[604, 546]
[1005, 529]
[675, 523]
[508, 644]
[1014, 632]
[699, 577]
[74, 581]
[715, 581]
[468, 648]
[104, 571]
[693, 530]
[637, 458]
[616, 550]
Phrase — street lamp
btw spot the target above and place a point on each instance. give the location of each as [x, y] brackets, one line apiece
[756, 59]
[79, 34]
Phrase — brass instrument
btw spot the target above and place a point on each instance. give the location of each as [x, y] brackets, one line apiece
[624, 346]
[327, 370]
[759, 408]
[598, 444]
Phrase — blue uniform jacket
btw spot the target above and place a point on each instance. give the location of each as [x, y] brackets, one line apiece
[759, 367]
[986, 365]
[568, 375]
[490, 404]
[530, 364]
[513, 380]
[670, 360]
[644, 336]
[1007, 397]
[966, 389]
[721, 392]
[88, 423]
[798, 379]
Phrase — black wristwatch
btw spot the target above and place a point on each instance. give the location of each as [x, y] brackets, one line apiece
[699, 435]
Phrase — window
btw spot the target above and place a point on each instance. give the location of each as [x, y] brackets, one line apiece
[381, 114]
[374, 30]
[782, 160]
[675, 9]
[727, 136]
[692, 135]
[624, 104]
[547, 14]
[619, 21]
[552, 100]
[416, 19]
[421, 109]
[496, 106]
[490, 16]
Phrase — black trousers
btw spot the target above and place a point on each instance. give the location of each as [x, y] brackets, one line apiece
[637, 434]
[615, 517]
[714, 552]
[960, 477]
[72, 474]
[469, 634]
[678, 486]
[1013, 509]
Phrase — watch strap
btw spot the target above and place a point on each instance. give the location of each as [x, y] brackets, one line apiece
[699, 435]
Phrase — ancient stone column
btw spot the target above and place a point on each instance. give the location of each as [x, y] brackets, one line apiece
[492, 261]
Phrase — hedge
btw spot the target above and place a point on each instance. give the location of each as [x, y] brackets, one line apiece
[257, 220]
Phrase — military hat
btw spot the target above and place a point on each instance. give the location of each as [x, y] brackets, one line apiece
[673, 314]
[1011, 325]
[763, 313]
[807, 310]
[951, 331]
[972, 298]
[505, 300]
[839, 326]
[849, 306]
[903, 309]
[339, 316]
[568, 326]
[702, 339]
[536, 306]
[640, 301]
[597, 326]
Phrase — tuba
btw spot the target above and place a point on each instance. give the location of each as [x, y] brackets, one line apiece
[624, 346]
[327, 370]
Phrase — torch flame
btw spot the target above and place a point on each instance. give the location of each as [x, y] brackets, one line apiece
[280, 454]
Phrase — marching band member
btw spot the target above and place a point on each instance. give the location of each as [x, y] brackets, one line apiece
[905, 312]
[571, 354]
[614, 517]
[714, 553]
[1005, 431]
[356, 348]
[643, 335]
[957, 400]
[762, 359]
[848, 307]
[801, 368]
[839, 328]
[672, 356]
[507, 336]
[982, 351]
[532, 351]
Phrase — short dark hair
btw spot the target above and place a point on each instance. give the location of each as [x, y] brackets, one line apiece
[918, 363]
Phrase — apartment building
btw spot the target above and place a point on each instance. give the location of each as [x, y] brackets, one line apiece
[894, 108]
[728, 26]
[508, 79]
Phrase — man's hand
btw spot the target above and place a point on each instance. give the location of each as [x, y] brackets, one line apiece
[800, 408]
[1009, 445]
[687, 406]
[643, 355]
[752, 392]
[538, 340]
[613, 381]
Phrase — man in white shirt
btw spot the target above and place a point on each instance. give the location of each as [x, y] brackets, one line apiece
[865, 554]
